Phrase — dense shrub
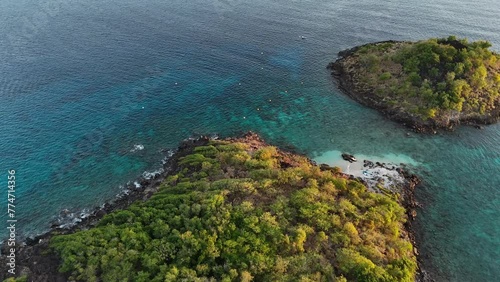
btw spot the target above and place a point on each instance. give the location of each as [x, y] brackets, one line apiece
[440, 78]
[259, 222]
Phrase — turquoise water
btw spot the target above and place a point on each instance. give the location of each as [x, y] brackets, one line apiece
[83, 82]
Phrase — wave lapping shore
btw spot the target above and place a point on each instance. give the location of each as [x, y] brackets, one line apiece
[33, 258]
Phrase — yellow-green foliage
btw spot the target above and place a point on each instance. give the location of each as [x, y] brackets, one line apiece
[433, 78]
[231, 214]
[18, 279]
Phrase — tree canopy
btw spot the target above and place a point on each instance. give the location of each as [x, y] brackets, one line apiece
[234, 212]
[439, 79]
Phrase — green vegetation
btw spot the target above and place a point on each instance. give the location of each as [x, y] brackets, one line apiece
[232, 212]
[439, 79]
[23, 278]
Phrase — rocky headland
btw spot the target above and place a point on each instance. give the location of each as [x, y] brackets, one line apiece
[242, 159]
[426, 85]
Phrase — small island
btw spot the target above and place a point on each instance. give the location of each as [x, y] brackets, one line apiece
[237, 209]
[427, 85]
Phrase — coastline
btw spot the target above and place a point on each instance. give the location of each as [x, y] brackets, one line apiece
[32, 258]
[347, 83]
[394, 178]
[35, 259]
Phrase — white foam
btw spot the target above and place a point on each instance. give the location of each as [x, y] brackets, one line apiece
[84, 213]
[138, 147]
[151, 174]
[67, 219]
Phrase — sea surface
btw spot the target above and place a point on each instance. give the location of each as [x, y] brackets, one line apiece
[93, 93]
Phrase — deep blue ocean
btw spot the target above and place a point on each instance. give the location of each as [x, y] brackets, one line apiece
[83, 83]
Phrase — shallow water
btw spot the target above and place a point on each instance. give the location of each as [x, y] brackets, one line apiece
[83, 82]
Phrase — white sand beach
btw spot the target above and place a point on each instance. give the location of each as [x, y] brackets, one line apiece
[387, 175]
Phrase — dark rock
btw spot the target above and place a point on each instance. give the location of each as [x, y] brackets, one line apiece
[349, 157]
[100, 213]
[145, 182]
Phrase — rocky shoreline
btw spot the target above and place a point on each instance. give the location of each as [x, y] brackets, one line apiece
[345, 77]
[35, 260]
[33, 256]
[407, 199]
